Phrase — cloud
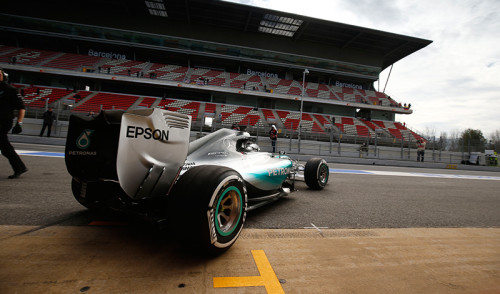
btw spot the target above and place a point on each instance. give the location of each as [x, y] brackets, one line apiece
[452, 83]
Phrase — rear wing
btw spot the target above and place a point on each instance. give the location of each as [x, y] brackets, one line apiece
[152, 149]
[144, 150]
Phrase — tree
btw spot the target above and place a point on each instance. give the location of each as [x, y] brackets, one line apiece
[472, 141]
[453, 141]
[446, 142]
[495, 141]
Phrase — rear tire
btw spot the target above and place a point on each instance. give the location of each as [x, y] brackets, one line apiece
[316, 173]
[208, 208]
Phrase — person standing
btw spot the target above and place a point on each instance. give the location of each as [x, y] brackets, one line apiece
[48, 119]
[420, 150]
[273, 135]
[9, 101]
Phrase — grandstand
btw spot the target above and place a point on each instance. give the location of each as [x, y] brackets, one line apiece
[229, 64]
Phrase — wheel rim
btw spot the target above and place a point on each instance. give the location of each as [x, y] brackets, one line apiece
[228, 211]
[323, 174]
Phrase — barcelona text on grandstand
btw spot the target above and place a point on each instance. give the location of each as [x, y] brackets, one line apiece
[261, 74]
[110, 55]
[348, 85]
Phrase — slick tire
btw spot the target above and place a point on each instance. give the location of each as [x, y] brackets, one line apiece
[316, 173]
[208, 207]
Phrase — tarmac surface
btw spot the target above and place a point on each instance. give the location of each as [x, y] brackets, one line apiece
[372, 230]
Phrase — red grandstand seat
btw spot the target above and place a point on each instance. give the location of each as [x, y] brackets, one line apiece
[182, 106]
[73, 61]
[28, 56]
[362, 131]
[379, 123]
[396, 133]
[148, 102]
[103, 101]
[347, 120]
[210, 108]
[268, 115]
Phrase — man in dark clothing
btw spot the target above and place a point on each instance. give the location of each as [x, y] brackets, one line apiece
[273, 135]
[10, 100]
[48, 119]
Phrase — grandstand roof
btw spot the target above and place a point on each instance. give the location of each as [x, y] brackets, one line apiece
[387, 47]
[392, 47]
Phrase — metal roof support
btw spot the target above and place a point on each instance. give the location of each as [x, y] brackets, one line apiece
[388, 78]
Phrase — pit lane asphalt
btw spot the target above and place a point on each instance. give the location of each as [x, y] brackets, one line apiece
[43, 196]
[362, 234]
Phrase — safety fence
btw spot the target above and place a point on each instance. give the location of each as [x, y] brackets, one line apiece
[312, 143]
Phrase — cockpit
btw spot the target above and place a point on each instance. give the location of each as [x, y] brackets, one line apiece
[246, 145]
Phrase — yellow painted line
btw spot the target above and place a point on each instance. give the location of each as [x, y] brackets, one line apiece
[267, 276]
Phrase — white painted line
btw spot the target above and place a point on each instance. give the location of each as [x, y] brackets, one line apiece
[317, 228]
[409, 174]
[40, 153]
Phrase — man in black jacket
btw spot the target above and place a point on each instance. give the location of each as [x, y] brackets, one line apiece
[48, 119]
[9, 101]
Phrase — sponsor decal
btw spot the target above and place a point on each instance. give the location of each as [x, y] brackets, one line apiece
[188, 165]
[218, 153]
[82, 152]
[281, 171]
[83, 141]
[147, 133]
[211, 224]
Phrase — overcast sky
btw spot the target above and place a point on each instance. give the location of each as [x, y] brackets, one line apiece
[454, 83]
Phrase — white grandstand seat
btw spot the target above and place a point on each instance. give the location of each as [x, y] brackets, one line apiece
[284, 86]
[248, 82]
[182, 106]
[168, 72]
[123, 66]
[291, 120]
[214, 77]
[240, 115]
[319, 91]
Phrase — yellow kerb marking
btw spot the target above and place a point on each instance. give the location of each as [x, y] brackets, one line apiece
[267, 276]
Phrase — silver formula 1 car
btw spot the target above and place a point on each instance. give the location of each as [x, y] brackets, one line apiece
[141, 161]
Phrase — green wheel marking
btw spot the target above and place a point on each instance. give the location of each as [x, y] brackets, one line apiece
[228, 211]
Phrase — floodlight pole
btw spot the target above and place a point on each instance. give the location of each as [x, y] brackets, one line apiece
[302, 103]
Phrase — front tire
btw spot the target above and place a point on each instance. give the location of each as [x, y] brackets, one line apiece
[210, 202]
[316, 173]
